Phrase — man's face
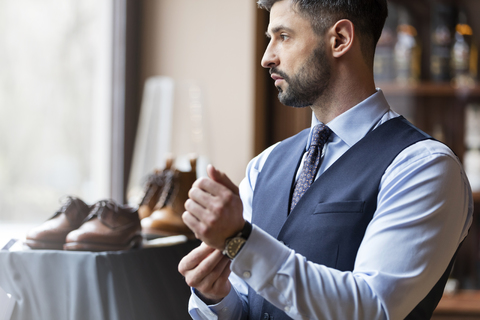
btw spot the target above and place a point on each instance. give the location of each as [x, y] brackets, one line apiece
[296, 57]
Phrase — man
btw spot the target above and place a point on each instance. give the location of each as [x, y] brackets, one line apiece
[358, 217]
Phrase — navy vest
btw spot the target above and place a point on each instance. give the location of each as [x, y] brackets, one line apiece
[329, 222]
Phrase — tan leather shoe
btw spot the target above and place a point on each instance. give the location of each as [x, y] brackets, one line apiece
[153, 190]
[166, 219]
[52, 233]
[109, 227]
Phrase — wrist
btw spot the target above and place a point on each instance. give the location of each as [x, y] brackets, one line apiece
[234, 244]
[207, 299]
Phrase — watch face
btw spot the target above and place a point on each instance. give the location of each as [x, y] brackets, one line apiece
[233, 246]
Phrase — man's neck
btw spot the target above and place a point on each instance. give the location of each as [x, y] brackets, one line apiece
[345, 97]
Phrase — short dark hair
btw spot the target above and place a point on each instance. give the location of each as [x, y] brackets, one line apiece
[368, 17]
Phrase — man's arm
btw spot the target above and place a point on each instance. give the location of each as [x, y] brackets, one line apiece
[214, 209]
[206, 269]
[234, 305]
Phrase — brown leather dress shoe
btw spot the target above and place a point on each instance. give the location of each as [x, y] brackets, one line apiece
[109, 227]
[52, 233]
[166, 219]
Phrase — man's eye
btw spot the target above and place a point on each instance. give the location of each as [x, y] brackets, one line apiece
[283, 37]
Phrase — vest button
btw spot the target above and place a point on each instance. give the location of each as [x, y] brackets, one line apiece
[266, 316]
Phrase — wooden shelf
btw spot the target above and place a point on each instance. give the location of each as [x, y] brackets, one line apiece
[465, 302]
[428, 89]
[476, 196]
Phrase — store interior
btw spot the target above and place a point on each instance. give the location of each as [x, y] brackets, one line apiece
[186, 92]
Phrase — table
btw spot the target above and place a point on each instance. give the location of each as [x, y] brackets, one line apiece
[127, 285]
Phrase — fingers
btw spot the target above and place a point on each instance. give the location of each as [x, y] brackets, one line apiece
[221, 178]
[226, 271]
[217, 277]
[207, 270]
[213, 210]
[219, 183]
[192, 222]
[200, 196]
[191, 260]
[209, 186]
[204, 273]
[207, 197]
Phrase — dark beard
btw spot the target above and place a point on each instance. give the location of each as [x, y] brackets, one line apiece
[309, 83]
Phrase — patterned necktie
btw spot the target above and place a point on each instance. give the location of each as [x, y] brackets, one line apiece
[311, 164]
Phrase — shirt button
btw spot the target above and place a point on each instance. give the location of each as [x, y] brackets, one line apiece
[247, 274]
[286, 309]
[266, 316]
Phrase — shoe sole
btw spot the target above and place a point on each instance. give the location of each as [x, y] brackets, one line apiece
[44, 245]
[135, 242]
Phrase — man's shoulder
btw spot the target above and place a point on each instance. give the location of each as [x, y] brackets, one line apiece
[426, 153]
[430, 148]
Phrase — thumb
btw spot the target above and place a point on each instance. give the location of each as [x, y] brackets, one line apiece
[221, 178]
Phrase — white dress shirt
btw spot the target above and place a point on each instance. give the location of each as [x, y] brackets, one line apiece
[424, 211]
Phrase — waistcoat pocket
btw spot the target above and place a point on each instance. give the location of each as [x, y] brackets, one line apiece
[339, 207]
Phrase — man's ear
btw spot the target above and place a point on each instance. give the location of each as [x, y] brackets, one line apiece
[342, 35]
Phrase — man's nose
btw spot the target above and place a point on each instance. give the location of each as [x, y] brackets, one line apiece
[270, 58]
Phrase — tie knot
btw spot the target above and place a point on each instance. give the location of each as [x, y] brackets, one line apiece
[320, 134]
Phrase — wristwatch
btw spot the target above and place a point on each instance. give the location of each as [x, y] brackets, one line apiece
[234, 244]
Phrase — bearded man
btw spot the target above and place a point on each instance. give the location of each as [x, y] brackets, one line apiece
[357, 217]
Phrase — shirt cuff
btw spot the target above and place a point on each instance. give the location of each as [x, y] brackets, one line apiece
[260, 259]
[225, 309]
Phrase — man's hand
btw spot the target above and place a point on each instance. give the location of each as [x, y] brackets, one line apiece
[214, 210]
[207, 270]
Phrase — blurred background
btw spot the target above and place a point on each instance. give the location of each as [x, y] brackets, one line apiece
[72, 80]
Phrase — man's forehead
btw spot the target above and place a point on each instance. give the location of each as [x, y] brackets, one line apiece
[283, 16]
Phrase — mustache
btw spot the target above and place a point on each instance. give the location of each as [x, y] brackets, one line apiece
[279, 72]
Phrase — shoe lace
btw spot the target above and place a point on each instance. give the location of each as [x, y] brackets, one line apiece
[153, 180]
[169, 190]
[66, 201]
[100, 206]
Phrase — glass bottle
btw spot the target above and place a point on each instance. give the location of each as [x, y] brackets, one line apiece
[407, 50]
[464, 54]
[384, 63]
[443, 26]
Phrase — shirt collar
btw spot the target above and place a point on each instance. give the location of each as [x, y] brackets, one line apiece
[355, 123]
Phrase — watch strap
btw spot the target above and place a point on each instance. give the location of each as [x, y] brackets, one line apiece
[247, 229]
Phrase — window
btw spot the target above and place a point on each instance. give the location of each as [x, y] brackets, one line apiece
[55, 105]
